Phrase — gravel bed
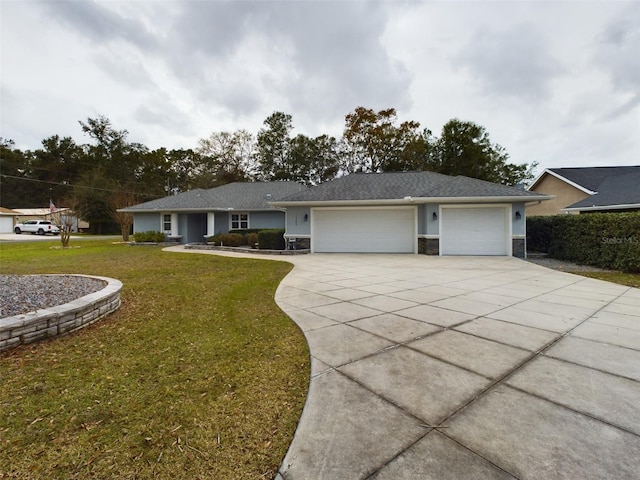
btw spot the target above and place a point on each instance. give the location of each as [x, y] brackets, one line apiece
[562, 265]
[27, 293]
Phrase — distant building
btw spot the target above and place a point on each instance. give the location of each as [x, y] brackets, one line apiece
[587, 189]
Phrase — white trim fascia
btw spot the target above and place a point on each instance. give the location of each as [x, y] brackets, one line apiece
[197, 210]
[602, 207]
[428, 236]
[517, 237]
[412, 201]
[565, 180]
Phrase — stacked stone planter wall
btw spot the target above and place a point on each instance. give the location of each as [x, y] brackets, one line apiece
[62, 319]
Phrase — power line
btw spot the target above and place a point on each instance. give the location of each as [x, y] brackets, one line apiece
[70, 185]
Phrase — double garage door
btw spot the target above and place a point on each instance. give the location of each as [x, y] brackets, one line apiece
[365, 230]
[463, 231]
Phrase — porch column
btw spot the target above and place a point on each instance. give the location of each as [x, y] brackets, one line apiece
[211, 224]
[174, 225]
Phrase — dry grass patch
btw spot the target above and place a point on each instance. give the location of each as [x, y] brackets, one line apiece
[628, 279]
[198, 375]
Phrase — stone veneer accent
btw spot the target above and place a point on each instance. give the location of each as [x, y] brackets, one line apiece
[429, 246]
[518, 247]
[61, 319]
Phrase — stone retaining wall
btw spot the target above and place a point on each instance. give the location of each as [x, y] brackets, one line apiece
[62, 319]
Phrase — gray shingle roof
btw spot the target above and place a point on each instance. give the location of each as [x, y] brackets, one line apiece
[592, 177]
[615, 190]
[397, 186]
[239, 196]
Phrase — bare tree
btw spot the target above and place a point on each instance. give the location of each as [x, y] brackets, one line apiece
[121, 199]
[65, 218]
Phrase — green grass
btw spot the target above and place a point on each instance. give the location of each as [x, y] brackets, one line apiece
[628, 279]
[197, 375]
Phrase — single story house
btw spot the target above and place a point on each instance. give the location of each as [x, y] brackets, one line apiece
[197, 214]
[409, 212]
[588, 189]
[58, 216]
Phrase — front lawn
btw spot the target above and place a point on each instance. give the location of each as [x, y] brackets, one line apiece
[628, 279]
[198, 375]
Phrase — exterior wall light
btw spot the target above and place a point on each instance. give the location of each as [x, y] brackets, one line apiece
[434, 216]
[518, 215]
[306, 217]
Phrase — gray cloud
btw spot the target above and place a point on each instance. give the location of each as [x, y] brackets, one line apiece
[515, 62]
[99, 24]
[618, 50]
[330, 54]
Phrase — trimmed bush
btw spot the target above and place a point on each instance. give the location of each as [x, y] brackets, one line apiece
[252, 239]
[272, 239]
[606, 240]
[539, 233]
[149, 236]
[228, 239]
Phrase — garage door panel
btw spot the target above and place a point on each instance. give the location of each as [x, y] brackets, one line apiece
[364, 230]
[474, 231]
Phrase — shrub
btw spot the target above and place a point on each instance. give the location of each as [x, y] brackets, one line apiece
[228, 239]
[149, 236]
[606, 240]
[272, 239]
[252, 239]
[539, 233]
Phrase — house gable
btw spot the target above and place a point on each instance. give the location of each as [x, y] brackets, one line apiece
[579, 189]
[565, 194]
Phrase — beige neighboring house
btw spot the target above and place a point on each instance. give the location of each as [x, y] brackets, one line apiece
[7, 219]
[587, 189]
[24, 214]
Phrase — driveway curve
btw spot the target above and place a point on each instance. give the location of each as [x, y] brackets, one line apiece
[463, 367]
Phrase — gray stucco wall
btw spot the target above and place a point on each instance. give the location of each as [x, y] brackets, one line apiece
[146, 222]
[433, 225]
[518, 226]
[268, 219]
[296, 223]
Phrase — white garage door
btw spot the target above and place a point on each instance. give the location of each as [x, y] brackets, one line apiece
[474, 231]
[6, 224]
[364, 230]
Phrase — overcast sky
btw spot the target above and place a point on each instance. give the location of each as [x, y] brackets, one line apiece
[552, 82]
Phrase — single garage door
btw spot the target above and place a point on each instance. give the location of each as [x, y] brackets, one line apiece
[6, 224]
[363, 230]
[474, 231]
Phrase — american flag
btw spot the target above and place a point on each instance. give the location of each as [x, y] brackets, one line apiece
[52, 207]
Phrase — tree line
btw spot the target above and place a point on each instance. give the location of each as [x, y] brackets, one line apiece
[110, 172]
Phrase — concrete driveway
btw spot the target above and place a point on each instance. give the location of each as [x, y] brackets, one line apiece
[460, 367]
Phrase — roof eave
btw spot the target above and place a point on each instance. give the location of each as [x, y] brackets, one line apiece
[595, 208]
[413, 201]
[194, 210]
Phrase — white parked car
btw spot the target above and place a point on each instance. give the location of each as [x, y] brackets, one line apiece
[41, 227]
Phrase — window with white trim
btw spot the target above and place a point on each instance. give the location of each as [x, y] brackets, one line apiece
[239, 221]
[166, 222]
